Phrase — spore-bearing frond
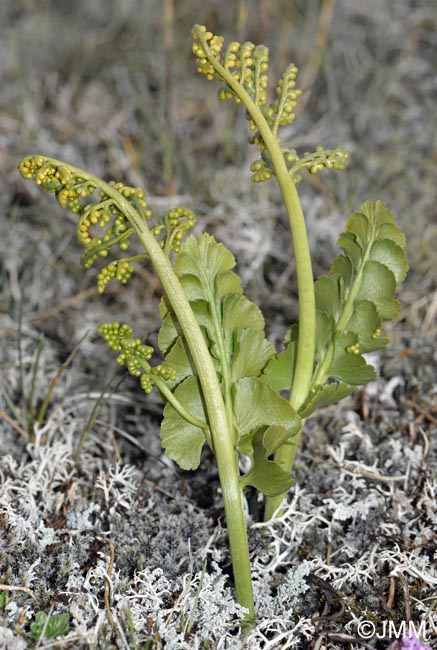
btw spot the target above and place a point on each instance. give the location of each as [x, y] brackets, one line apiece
[120, 270]
[173, 228]
[72, 190]
[242, 68]
[115, 334]
[315, 161]
[107, 215]
[135, 355]
[247, 64]
[281, 111]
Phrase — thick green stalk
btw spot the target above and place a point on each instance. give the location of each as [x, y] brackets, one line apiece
[221, 434]
[225, 454]
[307, 308]
[307, 319]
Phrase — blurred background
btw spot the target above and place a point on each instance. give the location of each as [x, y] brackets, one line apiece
[111, 86]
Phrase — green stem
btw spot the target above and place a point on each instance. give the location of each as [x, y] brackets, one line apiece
[107, 244]
[221, 434]
[223, 357]
[217, 416]
[169, 396]
[285, 458]
[307, 307]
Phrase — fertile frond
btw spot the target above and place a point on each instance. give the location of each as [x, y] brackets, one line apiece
[316, 161]
[243, 68]
[74, 189]
[173, 228]
[102, 223]
[135, 355]
[115, 334]
[119, 270]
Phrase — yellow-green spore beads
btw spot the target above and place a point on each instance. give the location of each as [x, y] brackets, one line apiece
[134, 355]
[166, 372]
[65, 176]
[162, 370]
[261, 171]
[245, 75]
[377, 333]
[181, 216]
[322, 159]
[120, 270]
[290, 155]
[261, 62]
[58, 178]
[230, 55]
[339, 160]
[29, 166]
[287, 98]
[319, 160]
[84, 189]
[353, 349]
[146, 382]
[174, 225]
[100, 214]
[214, 46]
[119, 226]
[63, 195]
[135, 196]
[114, 334]
[258, 141]
[225, 93]
[45, 176]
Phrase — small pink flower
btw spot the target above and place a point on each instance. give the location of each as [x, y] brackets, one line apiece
[410, 642]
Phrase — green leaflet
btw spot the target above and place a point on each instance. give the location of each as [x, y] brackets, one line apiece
[170, 329]
[182, 440]
[56, 625]
[205, 267]
[179, 359]
[325, 329]
[265, 475]
[347, 365]
[378, 284]
[389, 254]
[251, 352]
[266, 422]
[257, 405]
[279, 372]
[233, 328]
[365, 321]
[325, 395]
[329, 291]
[356, 298]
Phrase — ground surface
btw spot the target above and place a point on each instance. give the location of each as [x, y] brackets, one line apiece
[131, 547]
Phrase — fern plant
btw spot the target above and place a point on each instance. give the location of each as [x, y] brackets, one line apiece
[222, 381]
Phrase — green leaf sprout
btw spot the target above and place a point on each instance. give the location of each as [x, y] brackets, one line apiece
[49, 627]
[223, 383]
